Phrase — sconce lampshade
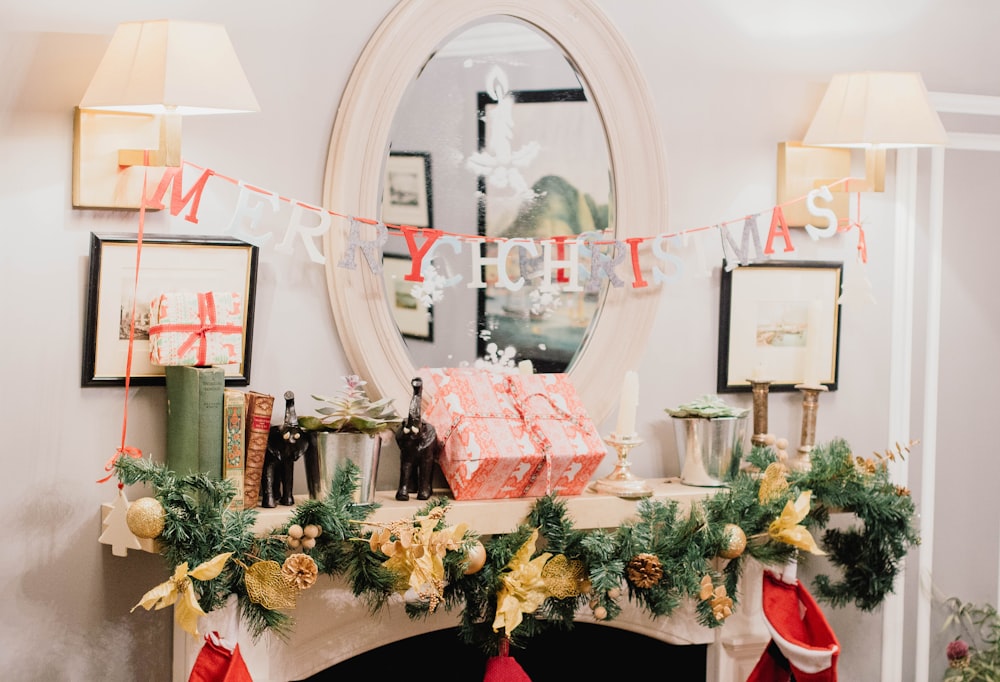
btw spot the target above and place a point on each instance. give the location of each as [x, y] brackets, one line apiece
[152, 74]
[876, 109]
[162, 66]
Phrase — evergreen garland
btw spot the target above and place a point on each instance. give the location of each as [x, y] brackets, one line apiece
[685, 544]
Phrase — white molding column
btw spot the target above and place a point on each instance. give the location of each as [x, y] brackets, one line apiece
[900, 382]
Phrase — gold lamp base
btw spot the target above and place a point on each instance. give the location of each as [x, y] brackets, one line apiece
[621, 481]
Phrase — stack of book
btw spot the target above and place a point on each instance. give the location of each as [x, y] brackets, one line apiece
[217, 430]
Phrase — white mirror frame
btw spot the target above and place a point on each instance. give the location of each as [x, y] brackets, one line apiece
[390, 61]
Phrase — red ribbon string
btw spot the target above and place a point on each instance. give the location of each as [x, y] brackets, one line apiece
[123, 449]
[862, 244]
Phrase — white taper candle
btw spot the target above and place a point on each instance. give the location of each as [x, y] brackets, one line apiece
[628, 405]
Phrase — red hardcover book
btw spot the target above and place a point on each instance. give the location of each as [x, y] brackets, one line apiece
[258, 422]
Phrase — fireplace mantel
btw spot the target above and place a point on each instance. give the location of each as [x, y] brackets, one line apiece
[331, 625]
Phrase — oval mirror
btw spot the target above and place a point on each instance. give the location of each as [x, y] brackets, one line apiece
[497, 138]
[372, 116]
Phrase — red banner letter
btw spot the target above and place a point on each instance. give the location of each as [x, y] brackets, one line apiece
[778, 225]
[177, 202]
[633, 244]
[417, 254]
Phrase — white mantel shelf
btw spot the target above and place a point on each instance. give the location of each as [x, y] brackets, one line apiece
[491, 517]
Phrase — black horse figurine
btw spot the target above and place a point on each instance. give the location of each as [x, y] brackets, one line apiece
[418, 448]
[286, 442]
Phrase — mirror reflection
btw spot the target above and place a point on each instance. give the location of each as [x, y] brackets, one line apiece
[497, 141]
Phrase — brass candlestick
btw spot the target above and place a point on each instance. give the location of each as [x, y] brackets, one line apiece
[621, 481]
[760, 390]
[810, 405]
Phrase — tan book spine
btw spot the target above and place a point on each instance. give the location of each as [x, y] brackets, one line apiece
[260, 407]
[233, 443]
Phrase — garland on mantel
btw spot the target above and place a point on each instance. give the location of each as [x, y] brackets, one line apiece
[542, 573]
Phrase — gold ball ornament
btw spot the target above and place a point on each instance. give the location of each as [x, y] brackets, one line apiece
[477, 558]
[600, 613]
[734, 541]
[145, 517]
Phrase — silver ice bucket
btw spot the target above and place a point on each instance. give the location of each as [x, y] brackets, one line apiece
[710, 450]
[336, 448]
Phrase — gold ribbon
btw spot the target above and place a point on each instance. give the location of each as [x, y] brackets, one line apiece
[786, 527]
[523, 587]
[179, 591]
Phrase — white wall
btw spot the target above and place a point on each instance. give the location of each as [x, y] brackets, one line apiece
[729, 81]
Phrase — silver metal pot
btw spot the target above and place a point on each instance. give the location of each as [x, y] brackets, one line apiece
[710, 450]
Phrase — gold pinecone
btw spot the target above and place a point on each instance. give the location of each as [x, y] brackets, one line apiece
[300, 570]
[644, 570]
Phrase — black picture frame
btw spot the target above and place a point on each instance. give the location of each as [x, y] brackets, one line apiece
[413, 318]
[166, 263]
[549, 341]
[407, 196]
[767, 312]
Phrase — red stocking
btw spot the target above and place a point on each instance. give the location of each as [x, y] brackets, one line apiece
[504, 668]
[802, 642]
[216, 663]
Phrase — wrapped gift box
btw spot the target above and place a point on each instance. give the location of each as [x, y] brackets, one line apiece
[510, 435]
[198, 329]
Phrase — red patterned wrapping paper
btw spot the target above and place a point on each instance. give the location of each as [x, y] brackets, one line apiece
[510, 435]
[196, 329]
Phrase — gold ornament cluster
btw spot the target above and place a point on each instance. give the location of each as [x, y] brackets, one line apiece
[304, 538]
[720, 602]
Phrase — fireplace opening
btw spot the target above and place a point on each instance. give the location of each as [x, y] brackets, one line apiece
[441, 656]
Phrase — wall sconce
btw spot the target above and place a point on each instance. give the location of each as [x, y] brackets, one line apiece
[152, 73]
[874, 111]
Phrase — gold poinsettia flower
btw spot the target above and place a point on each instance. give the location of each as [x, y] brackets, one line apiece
[786, 527]
[179, 591]
[523, 586]
[417, 554]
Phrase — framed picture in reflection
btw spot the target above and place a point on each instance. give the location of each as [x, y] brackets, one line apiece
[414, 317]
[406, 192]
[544, 172]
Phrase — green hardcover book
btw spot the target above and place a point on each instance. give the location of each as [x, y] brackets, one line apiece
[194, 419]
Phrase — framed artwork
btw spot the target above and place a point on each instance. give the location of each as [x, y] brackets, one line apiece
[406, 192]
[414, 319]
[544, 172]
[167, 263]
[780, 321]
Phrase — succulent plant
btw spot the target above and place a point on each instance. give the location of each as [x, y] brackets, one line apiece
[706, 407]
[351, 411]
